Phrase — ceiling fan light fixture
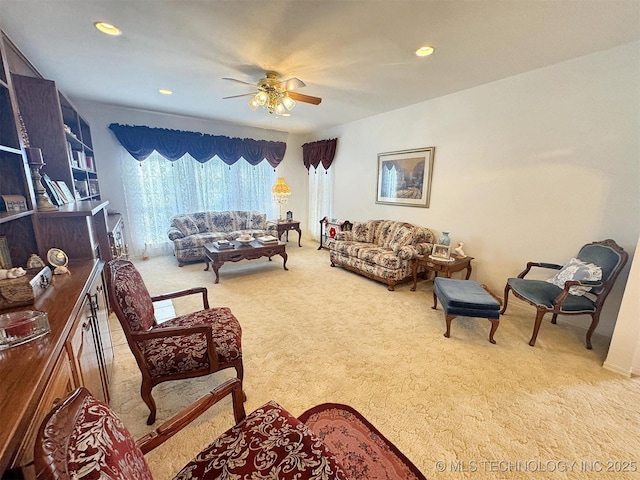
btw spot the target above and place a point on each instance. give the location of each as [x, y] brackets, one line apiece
[253, 104]
[280, 109]
[287, 101]
[261, 97]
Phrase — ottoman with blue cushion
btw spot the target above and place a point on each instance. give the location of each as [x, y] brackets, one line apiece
[466, 298]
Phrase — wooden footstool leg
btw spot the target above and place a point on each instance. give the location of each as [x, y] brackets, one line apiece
[448, 319]
[435, 301]
[494, 327]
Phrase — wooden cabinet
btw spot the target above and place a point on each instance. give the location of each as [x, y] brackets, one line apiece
[89, 345]
[80, 229]
[60, 384]
[77, 351]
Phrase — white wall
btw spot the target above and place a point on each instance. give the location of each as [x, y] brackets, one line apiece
[526, 168]
[108, 150]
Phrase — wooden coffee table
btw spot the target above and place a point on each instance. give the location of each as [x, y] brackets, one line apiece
[459, 263]
[242, 251]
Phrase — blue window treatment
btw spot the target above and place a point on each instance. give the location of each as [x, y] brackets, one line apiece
[141, 141]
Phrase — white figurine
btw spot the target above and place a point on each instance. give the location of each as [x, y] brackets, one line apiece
[12, 272]
[458, 250]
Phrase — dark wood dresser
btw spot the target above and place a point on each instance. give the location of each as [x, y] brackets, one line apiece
[77, 351]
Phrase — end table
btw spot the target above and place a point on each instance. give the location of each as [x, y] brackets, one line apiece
[459, 263]
[286, 225]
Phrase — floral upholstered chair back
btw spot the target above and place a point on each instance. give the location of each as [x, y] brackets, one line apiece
[82, 438]
[128, 293]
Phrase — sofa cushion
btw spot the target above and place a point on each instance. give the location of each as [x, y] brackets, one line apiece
[403, 236]
[384, 257]
[364, 231]
[185, 224]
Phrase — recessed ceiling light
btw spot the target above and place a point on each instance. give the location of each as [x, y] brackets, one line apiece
[165, 91]
[107, 28]
[425, 51]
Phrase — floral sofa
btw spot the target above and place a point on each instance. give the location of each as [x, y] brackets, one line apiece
[383, 250]
[189, 232]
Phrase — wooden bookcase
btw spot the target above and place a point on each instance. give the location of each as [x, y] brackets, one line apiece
[17, 228]
[54, 126]
[33, 112]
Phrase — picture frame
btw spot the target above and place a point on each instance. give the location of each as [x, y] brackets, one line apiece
[289, 216]
[441, 252]
[404, 177]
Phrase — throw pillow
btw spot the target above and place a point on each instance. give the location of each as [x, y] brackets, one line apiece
[577, 270]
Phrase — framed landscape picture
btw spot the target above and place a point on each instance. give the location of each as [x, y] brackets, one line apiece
[404, 177]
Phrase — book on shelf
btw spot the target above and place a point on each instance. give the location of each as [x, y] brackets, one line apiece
[64, 188]
[267, 239]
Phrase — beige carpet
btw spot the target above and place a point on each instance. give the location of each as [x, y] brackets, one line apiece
[458, 407]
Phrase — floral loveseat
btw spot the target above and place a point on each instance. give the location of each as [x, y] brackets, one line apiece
[383, 250]
[190, 232]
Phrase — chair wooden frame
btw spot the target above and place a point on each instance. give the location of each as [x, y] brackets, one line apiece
[134, 337]
[600, 292]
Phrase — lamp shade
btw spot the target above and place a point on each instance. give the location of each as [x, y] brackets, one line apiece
[281, 188]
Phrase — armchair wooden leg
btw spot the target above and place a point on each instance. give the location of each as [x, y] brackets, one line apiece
[145, 393]
[506, 298]
[594, 323]
[536, 327]
[239, 366]
[554, 318]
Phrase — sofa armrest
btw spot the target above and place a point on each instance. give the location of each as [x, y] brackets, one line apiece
[423, 248]
[407, 252]
[174, 233]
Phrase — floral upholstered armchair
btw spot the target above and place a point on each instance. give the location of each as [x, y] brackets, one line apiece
[187, 346]
[83, 438]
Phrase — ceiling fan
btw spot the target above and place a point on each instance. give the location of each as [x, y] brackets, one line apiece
[275, 95]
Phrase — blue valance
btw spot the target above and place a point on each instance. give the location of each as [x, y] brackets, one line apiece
[141, 141]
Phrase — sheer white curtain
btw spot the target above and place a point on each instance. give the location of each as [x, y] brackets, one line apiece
[157, 189]
[320, 198]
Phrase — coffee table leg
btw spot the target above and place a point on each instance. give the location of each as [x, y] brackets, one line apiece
[216, 267]
[206, 261]
[284, 256]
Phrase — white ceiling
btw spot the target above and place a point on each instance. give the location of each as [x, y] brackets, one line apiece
[357, 55]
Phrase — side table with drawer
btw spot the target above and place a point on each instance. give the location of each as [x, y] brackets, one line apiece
[446, 267]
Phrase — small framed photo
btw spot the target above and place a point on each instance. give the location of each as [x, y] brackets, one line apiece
[441, 252]
[289, 216]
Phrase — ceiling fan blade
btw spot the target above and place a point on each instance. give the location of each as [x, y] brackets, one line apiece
[236, 96]
[291, 84]
[300, 97]
[239, 81]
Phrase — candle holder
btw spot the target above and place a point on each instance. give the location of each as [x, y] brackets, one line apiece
[34, 157]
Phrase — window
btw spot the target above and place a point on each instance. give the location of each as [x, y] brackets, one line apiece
[157, 189]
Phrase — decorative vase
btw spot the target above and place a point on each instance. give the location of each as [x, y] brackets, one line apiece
[444, 239]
